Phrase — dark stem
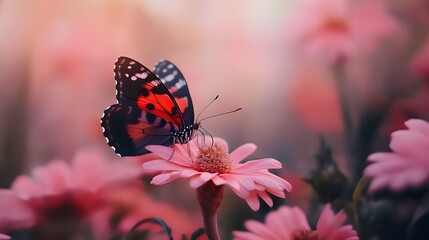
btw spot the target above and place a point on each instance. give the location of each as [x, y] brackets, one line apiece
[340, 81]
[209, 197]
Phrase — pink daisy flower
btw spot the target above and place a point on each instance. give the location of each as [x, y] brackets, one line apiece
[407, 165]
[56, 185]
[288, 223]
[337, 29]
[213, 163]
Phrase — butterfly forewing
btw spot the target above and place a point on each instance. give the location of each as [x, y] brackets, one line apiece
[175, 82]
[129, 130]
[151, 109]
[137, 86]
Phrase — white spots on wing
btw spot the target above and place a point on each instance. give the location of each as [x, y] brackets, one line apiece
[103, 129]
[129, 67]
[118, 154]
[181, 83]
[127, 75]
[170, 66]
[164, 70]
[132, 62]
[170, 77]
[142, 75]
[107, 140]
[114, 74]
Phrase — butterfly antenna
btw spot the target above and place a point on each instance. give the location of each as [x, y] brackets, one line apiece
[220, 114]
[210, 103]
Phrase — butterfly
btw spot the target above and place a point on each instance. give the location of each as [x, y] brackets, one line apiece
[153, 108]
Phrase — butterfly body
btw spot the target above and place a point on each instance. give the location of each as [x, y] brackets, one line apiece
[154, 108]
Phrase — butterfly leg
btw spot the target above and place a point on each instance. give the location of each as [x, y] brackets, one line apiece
[203, 130]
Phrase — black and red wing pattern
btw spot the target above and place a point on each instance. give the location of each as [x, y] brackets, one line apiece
[137, 86]
[176, 84]
[128, 130]
[150, 109]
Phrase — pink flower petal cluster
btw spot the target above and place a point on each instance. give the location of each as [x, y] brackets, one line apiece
[80, 184]
[407, 165]
[248, 180]
[337, 29]
[289, 223]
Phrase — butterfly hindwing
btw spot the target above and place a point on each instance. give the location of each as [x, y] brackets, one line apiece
[137, 86]
[129, 130]
[175, 82]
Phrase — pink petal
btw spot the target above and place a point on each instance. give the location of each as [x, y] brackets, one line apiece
[329, 225]
[161, 151]
[241, 192]
[198, 180]
[242, 152]
[54, 177]
[294, 218]
[164, 178]
[222, 143]
[260, 229]
[245, 182]
[4, 237]
[266, 163]
[267, 199]
[15, 213]
[418, 125]
[224, 179]
[238, 235]
[26, 188]
[414, 145]
[253, 201]
[188, 173]
[162, 165]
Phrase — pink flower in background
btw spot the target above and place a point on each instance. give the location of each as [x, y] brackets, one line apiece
[131, 204]
[407, 165]
[214, 163]
[337, 29]
[315, 102]
[291, 223]
[57, 184]
[15, 213]
[420, 62]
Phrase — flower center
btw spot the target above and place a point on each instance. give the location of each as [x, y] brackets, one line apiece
[213, 159]
[304, 235]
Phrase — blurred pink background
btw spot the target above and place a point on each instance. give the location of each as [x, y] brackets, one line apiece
[268, 57]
